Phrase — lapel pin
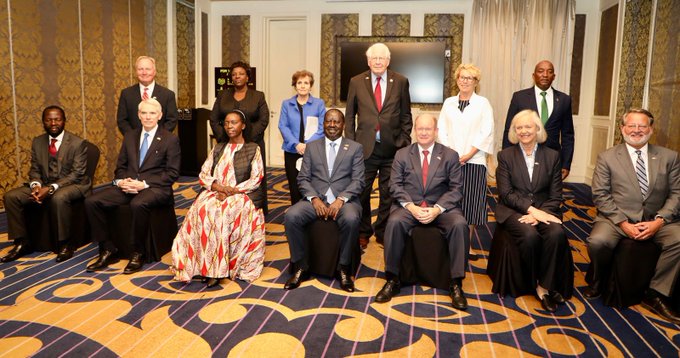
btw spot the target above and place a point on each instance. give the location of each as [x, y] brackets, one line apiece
[391, 80]
[366, 78]
[158, 138]
[439, 158]
[535, 163]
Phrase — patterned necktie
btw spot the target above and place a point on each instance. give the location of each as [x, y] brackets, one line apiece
[330, 198]
[641, 174]
[145, 96]
[378, 95]
[426, 167]
[544, 108]
[53, 147]
[143, 149]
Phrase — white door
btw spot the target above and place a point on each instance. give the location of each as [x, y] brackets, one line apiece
[285, 52]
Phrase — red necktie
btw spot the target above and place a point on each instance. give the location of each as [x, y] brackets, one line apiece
[378, 95]
[53, 147]
[426, 167]
[145, 96]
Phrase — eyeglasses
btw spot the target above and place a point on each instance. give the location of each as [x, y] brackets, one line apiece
[467, 79]
[633, 127]
[378, 58]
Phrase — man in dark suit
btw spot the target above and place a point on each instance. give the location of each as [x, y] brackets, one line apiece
[331, 179]
[554, 108]
[146, 88]
[380, 101]
[427, 187]
[143, 178]
[56, 178]
[636, 189]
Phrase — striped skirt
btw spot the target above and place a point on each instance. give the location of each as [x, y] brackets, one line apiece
[474, 194]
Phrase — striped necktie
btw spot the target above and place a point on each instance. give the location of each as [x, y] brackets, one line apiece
[641, 174]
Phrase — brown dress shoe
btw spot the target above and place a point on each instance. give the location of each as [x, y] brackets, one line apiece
[363, 242]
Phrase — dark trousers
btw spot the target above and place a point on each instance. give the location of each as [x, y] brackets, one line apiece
[99, 204]
[451, 225]
[59, 206]
[379, 164]
[291, 174]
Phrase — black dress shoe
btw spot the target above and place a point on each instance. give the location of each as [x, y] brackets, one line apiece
[363, 242]
[458, 300]
[294, 281]
[557, 297]
[380, 240]
[106, 258]
[591, 293]
[548, 304]
[135, 263]
[65, 253]
[657, 304]
[212, 282]
[346, 282]
[16, 252]
[391, 288]
[473, 257]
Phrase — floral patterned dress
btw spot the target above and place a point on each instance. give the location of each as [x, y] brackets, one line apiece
[222, 238]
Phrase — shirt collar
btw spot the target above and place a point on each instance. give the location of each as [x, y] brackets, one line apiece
[383, 77]
[151, 86]
[421, 149]
[59, 138]
[152, 132]
[337, 141]
[632, 150]
[538, 91]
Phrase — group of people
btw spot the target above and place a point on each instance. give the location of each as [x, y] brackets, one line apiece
[439, 180]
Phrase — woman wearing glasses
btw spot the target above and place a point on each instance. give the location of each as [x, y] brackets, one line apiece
[466, 125]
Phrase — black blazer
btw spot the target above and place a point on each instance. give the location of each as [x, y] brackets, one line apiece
[395, 116]
[253, 105]
[560, 125]
[516, 193]
[128, 107]
[161, 166]
[71, 162]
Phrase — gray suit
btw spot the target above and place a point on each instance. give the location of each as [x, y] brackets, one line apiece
[70, 177]
[346, 180]
[618, 198]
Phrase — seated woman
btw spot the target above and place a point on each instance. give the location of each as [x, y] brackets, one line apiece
[223, 232]
[529, 198]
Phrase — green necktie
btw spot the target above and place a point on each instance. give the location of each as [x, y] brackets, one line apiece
[544, 108]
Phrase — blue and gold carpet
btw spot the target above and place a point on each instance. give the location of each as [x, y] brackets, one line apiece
[53, 310]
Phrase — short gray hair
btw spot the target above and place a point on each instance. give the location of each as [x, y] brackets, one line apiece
[541, 135]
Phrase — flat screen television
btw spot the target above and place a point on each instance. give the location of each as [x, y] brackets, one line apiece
[424, 63]
[223, 79]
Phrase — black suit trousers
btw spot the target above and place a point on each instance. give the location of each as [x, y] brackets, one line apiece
[379, 164]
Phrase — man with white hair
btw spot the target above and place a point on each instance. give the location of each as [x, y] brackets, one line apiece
[378, 116]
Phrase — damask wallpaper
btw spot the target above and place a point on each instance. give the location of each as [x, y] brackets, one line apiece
[391, 25]
[333, 25]
[450, 25]
[76, 54]
[186, 66]
[235, 39]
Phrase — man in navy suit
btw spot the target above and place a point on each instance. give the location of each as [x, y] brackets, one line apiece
[331, 194]
[381, 102]
[147, 87]
[427, 186]
[148, 165]
[554, 108]
[56, 178]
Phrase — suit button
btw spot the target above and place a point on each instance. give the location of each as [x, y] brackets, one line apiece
[531, 195]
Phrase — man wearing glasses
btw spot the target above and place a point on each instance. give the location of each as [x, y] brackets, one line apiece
[378, 116]
[636, 189]
[554, 108]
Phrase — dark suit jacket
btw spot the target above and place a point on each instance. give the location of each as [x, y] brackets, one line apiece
[616, 192]
[444, 178]
[128, 107]
[516, 193]
[161, 166]
[253, 105]
[395, 117]
[347, 179]
[71, 159]
[560, 125]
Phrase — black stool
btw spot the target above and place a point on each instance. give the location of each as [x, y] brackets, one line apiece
[323, 244]
[426, 258]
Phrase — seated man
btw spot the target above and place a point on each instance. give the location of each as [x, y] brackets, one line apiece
[426, 193]
[56, 178]
[331, 178]
[636, 189]
[143, 179]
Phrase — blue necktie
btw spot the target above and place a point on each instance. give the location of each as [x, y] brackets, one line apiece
[330, 198]
[143, 149]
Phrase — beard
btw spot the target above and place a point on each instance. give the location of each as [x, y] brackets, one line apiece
[637, 142]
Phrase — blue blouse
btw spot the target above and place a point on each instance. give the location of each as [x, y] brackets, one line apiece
[289, 121]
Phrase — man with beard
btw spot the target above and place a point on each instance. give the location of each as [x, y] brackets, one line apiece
[56, 179]
[636, 189]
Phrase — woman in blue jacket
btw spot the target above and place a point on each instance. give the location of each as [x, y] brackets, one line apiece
[301, 122]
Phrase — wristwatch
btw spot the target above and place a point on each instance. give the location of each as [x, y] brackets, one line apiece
[660, 217]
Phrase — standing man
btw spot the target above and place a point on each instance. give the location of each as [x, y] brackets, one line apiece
[143, 178]
[331, 179]
[145, 89]
[56, 178]
[427, 187]
[381, 103]
[554, 108]
[636, 189]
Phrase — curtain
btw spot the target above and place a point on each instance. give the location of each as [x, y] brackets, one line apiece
[509, 37]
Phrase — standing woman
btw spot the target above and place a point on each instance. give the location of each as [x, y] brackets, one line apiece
[296, 113]
[223, 233]
[466, 126]
[249, 101]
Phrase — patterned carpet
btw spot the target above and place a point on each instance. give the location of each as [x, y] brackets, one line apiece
[50, 310]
